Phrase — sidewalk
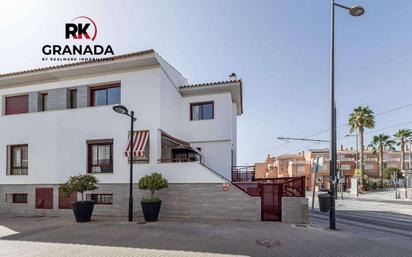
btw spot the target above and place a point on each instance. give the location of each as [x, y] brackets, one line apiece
[59, 236]
[18, 248]
[384, 196]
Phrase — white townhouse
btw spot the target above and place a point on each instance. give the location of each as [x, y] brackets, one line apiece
[58, 121]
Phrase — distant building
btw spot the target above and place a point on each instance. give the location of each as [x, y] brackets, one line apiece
[295, 165]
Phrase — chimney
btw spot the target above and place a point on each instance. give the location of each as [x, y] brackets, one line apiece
[232, 77]
[341, 147]
[351, 148]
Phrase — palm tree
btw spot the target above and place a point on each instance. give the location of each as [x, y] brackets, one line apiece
[401, 136]
[362, 117]
[379, 144]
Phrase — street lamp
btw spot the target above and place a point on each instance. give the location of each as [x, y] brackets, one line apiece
[354, 11]
[123, 110]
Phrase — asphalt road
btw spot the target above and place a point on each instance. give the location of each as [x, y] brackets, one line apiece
[389, 223]
[374, 216]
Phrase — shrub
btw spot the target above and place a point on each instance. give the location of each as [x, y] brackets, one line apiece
[152, 182]
[384, 183]
[369, 184]
[80, 184]
[387, 172]
[375, 183]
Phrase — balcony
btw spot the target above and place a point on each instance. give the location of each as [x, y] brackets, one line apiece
[179, 159]
[297, 162]
[243, 173]
[176, 150]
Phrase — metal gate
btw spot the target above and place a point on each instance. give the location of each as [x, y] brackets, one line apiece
[271, 192]
[271, 201]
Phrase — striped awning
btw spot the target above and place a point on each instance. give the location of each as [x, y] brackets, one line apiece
[140, 139]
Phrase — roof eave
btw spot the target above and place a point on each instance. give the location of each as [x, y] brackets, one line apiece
[122, 62]
[234, 87]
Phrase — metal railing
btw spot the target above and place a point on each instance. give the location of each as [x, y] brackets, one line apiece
[271, 192]
[243, 173]
[292, 186]
[173, 160]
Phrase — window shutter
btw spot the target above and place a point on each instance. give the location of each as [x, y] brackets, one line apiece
[17, 104]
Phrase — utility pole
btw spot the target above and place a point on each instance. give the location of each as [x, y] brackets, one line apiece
[354, 11]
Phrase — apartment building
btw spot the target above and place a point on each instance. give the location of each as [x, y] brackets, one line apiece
[58, 122]
[287, 165]
[301, 164]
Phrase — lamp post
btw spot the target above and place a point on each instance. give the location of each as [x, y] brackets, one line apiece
[409, 169]
[354, 11]
[123, 110]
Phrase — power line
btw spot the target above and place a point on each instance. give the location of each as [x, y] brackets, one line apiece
[345, 125]
[302, 139]
[340, 126]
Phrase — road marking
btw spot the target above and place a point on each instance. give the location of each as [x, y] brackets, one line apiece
[5, 231]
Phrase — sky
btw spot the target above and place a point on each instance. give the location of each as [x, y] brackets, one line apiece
[279, 48]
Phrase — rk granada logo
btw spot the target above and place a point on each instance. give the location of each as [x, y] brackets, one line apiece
[82, 32]
[81, 27]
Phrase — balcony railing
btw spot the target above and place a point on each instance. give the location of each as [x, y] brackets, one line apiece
[243, 173]
[19, 171]
[174, 160]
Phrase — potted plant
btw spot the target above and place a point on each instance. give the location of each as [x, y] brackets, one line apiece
[82, 210]
[151, 206]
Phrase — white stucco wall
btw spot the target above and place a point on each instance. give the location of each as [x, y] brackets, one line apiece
[57, 139]
[217, 156]
[215, 129]
[215, 136]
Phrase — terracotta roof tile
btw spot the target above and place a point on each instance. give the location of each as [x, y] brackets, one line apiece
[78, 63]
[210, 83]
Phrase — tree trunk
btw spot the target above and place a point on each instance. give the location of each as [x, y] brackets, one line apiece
[361, 157]
[402, 155]
[381, 163]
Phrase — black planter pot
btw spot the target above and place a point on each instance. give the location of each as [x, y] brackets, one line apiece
[151, 210]
[83, 210]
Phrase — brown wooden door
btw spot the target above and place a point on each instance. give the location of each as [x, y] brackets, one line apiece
[44, 198]
[66, 202]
